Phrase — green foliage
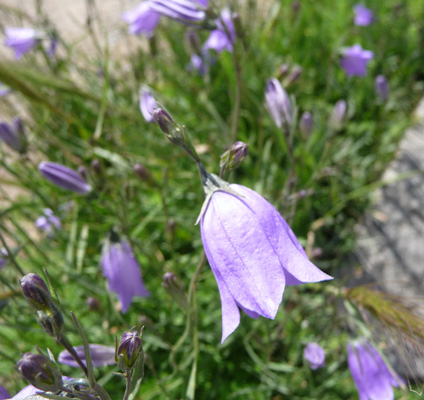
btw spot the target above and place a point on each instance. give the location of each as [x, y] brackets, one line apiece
[83, 105]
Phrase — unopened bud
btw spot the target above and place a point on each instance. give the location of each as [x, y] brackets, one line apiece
[294, 76]
[175, 288]
[193, 41]
[233, 157]
[41, 372]
[284, 68]
[142, 172]
[96, 166]
[39, 298]
[82, 171]
[168, 126]
[130, 350]
[338, 115]
[93, 303]
[306, 123]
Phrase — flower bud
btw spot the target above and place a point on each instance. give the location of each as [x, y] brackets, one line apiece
[306, 123]
[294, 76]
[14, 135]
[233, 157]
[82, 171]
[93, 303]
[382, 87]
[64, 177]
[168, 126]
[193, 41]
[130, 350]
[41, 372]
[96, 166]
[339, 112]
[278, 103]
[142, 172]
[175, 289]
[38, 296]
[284, 68]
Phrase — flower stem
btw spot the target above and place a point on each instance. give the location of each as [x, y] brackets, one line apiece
[237, 100]
[127, 389]
[67, 345]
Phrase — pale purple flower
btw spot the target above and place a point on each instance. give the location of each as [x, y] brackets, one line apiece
[64, 177]
[306, 123]
[338, 115]
[315, 355]
[14, 135]
[21, 40]
[101, 355]
[4, 395]
[224, 36]
[26, 392]
[278, 103]
[142, 19]
[252, 251]
[355, 60]
[48, 222]
[147, 104]
[4, 90]
[382, 87]
[186, 11]
[372, 377]
[363, 15]
[121, 269]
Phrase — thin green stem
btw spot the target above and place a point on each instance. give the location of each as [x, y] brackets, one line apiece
[127, 389]
[68, 346]
[10, 255]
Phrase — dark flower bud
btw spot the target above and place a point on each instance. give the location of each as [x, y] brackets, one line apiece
[142, 172]
[306, 123]
[130, 350]
[14, 135]
[284, 68]
[234, 155]
[294, 76]
[41, 372]
[82, 171]
[96, 166]
[175, 289]
[168, 126]
[93, 303]
[39, 298]
[193, 41]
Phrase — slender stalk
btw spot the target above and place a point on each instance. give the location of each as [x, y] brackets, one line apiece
[67, 345]
[128, 376]
[237, 99]
[10, 255]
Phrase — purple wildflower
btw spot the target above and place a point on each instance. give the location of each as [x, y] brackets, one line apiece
[147, 104]
[338, 114]
[4, 90]
[48, 222]
[197, 63]
[252, 251]
[21, 40]
[186, 11]
[64, 177]
[142, 19]
[14, 135]
[224, 36]
[355, 60]
[3, 258]
[101, 355]
[306, 123]
[278, 103]
[314, 354]
[26, 392]
[363, 15]
[382, 87]
[121, 269]
[4, 395]
[372, 377]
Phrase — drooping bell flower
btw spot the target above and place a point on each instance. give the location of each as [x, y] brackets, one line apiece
[382, 87]
[355, 60]
[372, 377]
[142, 19]
[188, 12]
[224, 37]
[48, 222]
[121, 269]
[100, 355]
[147, 104]
[252, 251]
[315, 355]
[64, 177]
[278, 103]
[14, 135]
[306, 123]
[21, 40]
[338, 114]
[363, 15]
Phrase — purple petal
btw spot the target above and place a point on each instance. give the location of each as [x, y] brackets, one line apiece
[363, 15]
[355, 60]
[278, 103]
[142, 19]
[182, 10]
[101, 355]
[147, 105]
[4, 395]
[315, 355]
[122, 271]
[9, 136]
[21, 40]
[64, 177]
